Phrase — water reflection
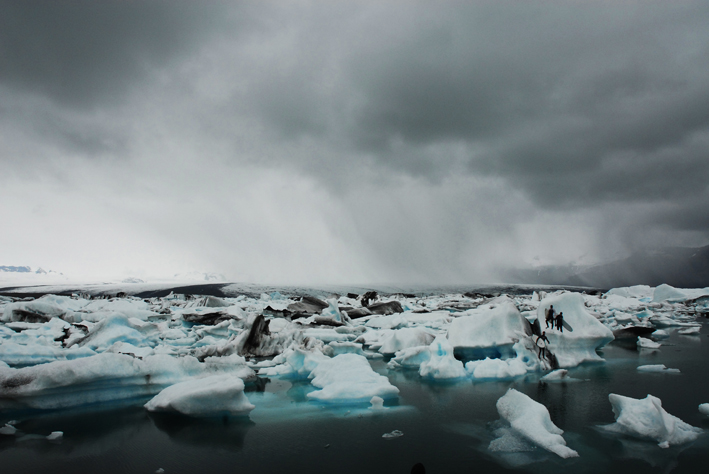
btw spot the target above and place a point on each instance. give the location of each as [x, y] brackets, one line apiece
[220, 433]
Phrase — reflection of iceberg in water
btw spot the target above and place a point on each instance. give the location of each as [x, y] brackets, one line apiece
[222, 433]
[665, 460]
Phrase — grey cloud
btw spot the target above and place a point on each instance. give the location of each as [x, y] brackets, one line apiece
[83, 52]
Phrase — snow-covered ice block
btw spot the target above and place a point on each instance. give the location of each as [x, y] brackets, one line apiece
[441, 364]
[531, 422]
[400, 339]
[692, 331]
[657, 368]
[105, 377]
[216, 395]
[646, 419]
[489, 331]
[588, 334]
[410, 358]
[646, 343]
[348, 378]
[23, 355]
[675, 295]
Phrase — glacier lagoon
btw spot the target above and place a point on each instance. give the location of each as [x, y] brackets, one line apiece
[447, 425]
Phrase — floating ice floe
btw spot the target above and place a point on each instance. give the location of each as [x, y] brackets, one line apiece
[646, 419]
[646, 343]
[348, 378]
[558, 376]
[104, 378]
[216, 395]
[657, 368]
[704, 409]
[690, 331]
[393, 434]
[529, 423]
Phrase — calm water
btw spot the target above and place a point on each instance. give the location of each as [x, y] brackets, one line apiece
[446, 427]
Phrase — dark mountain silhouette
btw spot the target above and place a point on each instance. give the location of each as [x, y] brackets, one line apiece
[677, 266]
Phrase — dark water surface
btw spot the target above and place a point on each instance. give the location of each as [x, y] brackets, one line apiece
[446, 427]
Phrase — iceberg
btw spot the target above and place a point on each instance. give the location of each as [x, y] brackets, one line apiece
[646, 343]
[529, 422]
[399, 339]
[587, 334]
[105, 377]
[657, 368]
[704, 409]
[488, 331]
[216, 395]
[441, 364]
[348, 378]
[646, 419]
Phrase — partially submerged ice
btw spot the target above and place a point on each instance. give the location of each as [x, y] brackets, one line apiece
[527, 425]
[215, 395]
[646, 419]
[349, 378]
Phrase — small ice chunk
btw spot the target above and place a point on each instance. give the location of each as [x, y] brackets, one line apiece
[657, 368]
[8, 430]
[393, 434]
[646, 419]
[556, 375]
[159, 470]
[661, 333]
[646, 343]
[377, 403]
[55, 435]
[704, 408]
[689, 331]
[531, 422]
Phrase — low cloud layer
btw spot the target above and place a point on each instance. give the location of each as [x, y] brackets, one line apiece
[350, 142]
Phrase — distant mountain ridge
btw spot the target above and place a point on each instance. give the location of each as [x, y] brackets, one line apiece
[677, 266]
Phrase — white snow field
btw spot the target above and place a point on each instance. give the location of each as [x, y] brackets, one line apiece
[188, 352]
[646, 419]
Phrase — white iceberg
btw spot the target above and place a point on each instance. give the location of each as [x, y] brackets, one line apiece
[646, 343]
[399, 339]
[216, 395]
[441, 364]
[646, 419]
[529, 423]
[704, 408]
[348, 378]
[587, 334]
[105, 377]
[657, 368]
[488, 332]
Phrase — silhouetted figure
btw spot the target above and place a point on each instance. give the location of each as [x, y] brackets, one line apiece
[560, 321]
[542, 342]
[418, 469]
[550, 317]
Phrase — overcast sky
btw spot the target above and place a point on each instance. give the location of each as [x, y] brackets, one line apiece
[349, 142]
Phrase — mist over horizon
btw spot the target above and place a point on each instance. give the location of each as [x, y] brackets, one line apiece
[359, 142]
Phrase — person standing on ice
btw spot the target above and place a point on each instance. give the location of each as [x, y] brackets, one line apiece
[550, 317]
[542, 342]
[560, 321]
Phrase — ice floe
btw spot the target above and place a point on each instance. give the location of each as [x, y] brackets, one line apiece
[527, 423]
[646, 419]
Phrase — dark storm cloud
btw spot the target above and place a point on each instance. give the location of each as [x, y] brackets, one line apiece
[85, 53]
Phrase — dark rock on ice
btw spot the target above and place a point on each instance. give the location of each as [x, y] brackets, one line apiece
[354, 313]
[385, 308]
[368, 297]
[259, 329]
[632, 332]
[307, 306]
[207, 319]
[352, 296]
